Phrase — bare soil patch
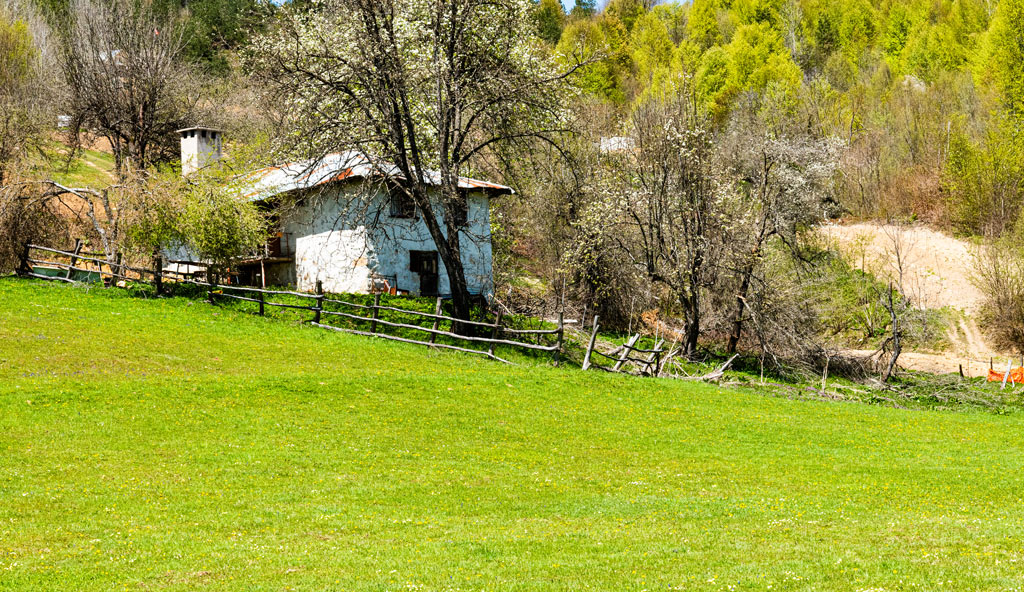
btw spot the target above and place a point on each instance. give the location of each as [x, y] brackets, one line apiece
[937, 271]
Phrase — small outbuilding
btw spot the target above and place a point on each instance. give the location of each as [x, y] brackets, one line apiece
[341, 221]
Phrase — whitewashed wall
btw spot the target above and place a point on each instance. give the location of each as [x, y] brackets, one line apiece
[341, 241]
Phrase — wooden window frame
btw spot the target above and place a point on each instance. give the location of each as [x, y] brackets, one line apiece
[401, 203]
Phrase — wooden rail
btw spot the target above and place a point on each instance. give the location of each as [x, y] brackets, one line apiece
[498, 333]
[651, 365]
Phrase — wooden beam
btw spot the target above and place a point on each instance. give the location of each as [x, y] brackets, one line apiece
[414, 341]
[625, 352]
[590, 345]
[74, 256]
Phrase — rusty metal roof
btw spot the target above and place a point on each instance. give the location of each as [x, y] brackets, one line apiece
[338, 166]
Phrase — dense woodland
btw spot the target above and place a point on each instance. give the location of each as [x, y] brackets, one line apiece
[671, 160]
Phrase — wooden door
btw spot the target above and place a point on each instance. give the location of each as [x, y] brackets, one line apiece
[424, 263]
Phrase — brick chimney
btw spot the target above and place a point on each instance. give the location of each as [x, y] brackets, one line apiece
[200, 147]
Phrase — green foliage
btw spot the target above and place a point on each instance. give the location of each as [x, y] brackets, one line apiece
[851, 308]
[895, 74]
[674, 17]
[826, 33]
[17, 51]
[1008, 53]
[215, 27]
[712, 80]
[757, 57]
[550, 18]
[218, 226]
[999, 273]
[23, 90]
[749, 12]
[204, 213]
[604, 76]
[652, 47]
[584, 9]
[898, 28]
[627, 11]
[703, 23]
[984, 180]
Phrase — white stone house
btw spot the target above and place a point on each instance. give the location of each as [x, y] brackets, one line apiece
[342, 226]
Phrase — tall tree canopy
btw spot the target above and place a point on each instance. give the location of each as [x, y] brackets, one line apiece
[420, 85]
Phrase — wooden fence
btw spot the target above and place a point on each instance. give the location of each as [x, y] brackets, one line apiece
[367, 317]
[646, 361]
[90, 265]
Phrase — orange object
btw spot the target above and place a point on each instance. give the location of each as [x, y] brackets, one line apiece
[1016, 376]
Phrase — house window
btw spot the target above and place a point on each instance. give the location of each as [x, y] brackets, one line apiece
[402, 205]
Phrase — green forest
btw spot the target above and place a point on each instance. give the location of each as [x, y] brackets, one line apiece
[928, 94]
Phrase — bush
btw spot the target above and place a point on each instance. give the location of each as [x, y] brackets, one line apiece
[999, 274]
[26, 218]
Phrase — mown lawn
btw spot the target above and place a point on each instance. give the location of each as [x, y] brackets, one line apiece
[169, 445]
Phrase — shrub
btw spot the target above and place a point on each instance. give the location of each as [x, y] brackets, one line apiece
[999, 274]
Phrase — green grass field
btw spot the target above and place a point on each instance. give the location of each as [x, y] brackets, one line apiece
[170, 445]
[90, 168]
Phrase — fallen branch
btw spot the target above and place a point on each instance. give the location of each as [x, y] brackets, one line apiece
[716, 374]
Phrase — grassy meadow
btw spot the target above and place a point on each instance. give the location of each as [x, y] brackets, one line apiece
[165, 444]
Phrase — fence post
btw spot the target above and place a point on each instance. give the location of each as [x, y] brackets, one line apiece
[319, 301]
[212, 280]
[24, 266]
[561, 330]
[590, 346]
[120, 268]
[655, 358]
[74, 258]
[158, 274]
[494, 332]
[261, 302]
[626, 349]
[437, 321]
[376, 310]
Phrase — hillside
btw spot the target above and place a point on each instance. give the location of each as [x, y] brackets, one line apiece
[938, 271]
[165, 444]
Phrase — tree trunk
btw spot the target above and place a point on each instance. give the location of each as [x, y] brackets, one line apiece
[448, 249]
[461, 299]
[741, 305]
[897, 338]
[691, 325]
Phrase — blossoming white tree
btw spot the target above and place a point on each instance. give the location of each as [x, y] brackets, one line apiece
[421, 85]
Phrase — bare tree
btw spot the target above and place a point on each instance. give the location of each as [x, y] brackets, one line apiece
[29, 214]
[999, 274]
[670, 206]
[907, 322]
[787, 184]
[25, 83]
[425, 87]
[127, 82]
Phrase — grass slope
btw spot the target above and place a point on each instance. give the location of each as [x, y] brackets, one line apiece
[90, 168]
[161, 444]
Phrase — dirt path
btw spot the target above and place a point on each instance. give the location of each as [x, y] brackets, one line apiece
[936, 267]
[936, 270]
